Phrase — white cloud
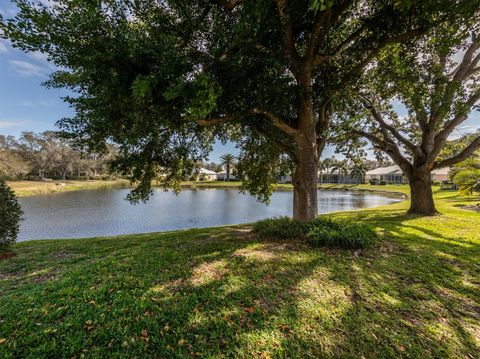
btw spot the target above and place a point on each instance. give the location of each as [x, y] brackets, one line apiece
[12, 123]
[38, 56]
[3, 48]
[42, 59]
[43, 103]
[26, 68]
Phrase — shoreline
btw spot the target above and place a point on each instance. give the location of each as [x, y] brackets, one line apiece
[34, 188]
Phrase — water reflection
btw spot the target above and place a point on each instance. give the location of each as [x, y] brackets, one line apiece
[105, 212]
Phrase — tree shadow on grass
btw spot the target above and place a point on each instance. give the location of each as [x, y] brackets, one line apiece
[223, 293]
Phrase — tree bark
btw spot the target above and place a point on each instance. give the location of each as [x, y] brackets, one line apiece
[421, 195]
[305, 205]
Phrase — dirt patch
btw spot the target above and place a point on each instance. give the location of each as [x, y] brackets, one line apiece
[255, 254]
[41, 276]
[243, 233]
[7, 255]
[208, 272]
[64, 255]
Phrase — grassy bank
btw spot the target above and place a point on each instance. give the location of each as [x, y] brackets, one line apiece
[31, 188]
[221, 292]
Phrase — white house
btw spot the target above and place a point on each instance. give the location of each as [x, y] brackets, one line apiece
[284, 179]
[390, 174]
[440, 174]
[326, 175]
[393, 174]
[206, 175]
[222, 176]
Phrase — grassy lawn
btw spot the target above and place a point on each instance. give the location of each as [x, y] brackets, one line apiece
[30, 188]
[221, 292]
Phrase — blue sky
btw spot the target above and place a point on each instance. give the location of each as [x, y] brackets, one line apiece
[25, 105]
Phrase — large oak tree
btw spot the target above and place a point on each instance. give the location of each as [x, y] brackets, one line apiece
[164, 79]
[439, 84]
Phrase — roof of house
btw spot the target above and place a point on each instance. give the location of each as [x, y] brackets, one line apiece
[329, 171]
[204, 171]
[385, 170]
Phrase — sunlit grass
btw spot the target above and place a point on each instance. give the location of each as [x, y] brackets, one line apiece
[221, 292]
[31, 188]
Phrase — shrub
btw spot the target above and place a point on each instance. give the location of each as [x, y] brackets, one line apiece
[10, 215]
[342, 234]
[373, 181]
[319, 232]
[279, 228]
[383, 183]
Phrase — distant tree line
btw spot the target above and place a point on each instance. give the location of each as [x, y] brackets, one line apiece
[48, 155]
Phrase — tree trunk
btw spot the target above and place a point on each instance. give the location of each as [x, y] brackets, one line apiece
[421, 195]
[228, 172]
[305, 206]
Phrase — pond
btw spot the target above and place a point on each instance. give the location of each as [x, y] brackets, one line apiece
[105, 212]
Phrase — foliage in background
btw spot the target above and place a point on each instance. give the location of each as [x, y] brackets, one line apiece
[48, 155]
[10, 215]
[468, 181]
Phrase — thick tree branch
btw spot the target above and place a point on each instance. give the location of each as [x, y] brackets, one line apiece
[460, 117]
[378, 117]
[390, 148]
[318, 25]
[462, 156]
[461, 74]
[449, 126]
[462, 69]
[280, 145]
[277, 122]
[321, 58]
[217, 121]
[323, 21]
[376, 50]
[287, 32]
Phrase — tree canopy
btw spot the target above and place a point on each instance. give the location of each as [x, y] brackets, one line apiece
[438, 82]
[164, 80]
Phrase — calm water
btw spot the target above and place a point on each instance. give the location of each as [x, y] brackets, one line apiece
[106, 212]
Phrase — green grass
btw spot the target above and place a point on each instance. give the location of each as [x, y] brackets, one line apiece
[221, 292]
[32, 188]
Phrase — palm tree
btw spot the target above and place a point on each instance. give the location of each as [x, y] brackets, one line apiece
[341, 167]
[327, 162]
[228, 160]
[358, 171]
